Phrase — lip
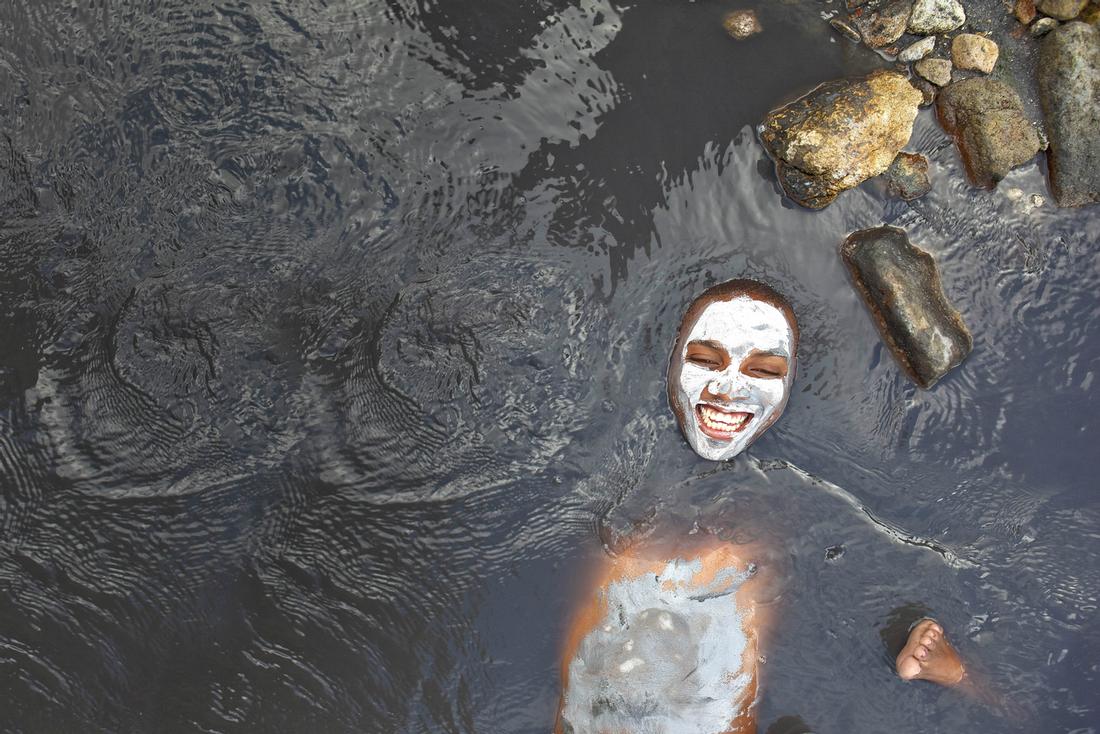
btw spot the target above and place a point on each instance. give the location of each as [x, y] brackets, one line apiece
[719, 423]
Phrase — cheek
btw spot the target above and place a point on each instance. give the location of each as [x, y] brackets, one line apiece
[770, 392]
[693, 380]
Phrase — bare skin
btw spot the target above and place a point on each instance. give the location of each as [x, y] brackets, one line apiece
[928, 655]
[715, 557]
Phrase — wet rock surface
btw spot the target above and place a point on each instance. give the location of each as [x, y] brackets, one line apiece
[882, 25]
[987, 120]
[1069, 86]
[840, 134]
[937, 71]
[901, 286]
[907, 176]
[974, 53]
[1061, 9]
[936, 16]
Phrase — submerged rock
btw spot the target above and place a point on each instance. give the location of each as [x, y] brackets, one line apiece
[840, 134]
[936, 16]
[882, 25]
[918, 50]
[974, 52]
[986, 118]
[845, 29]
[907, 176]
[741, 24]
[1061, 9]
[937, 71]
[901, 287]
[1069, 89]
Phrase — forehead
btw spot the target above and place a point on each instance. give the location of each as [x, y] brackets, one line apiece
[743, 321]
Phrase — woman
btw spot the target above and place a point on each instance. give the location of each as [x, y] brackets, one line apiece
[669, 640]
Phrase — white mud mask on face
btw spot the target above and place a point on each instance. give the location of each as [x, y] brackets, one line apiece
[738, 407]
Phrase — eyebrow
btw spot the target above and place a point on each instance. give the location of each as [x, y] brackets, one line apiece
[772, 353]
[707, 343]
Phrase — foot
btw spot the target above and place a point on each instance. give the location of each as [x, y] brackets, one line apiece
[928, 655]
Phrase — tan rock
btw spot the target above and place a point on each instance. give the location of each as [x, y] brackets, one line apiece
[974, 52]
[840, 134]
[1061, 9]
[937, 71]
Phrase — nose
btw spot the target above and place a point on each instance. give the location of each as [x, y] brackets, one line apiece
[722, 386]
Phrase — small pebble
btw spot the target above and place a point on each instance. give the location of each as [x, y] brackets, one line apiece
[1024, 11]
[741, 24]
[918, 50]
[937, 71]
[1043, 26]
[974, 52]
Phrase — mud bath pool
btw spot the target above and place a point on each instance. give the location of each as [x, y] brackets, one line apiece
[332, 348]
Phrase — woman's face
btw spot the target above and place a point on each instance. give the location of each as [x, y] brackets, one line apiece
[735, 371]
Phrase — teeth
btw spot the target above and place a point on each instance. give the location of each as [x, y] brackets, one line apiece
[722, 421]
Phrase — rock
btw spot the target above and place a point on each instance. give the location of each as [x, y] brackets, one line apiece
[927, 90]
[907, 176]
[1043, 26]
[936, 16]
[882, 25]
[840, 134]
[1061, 9]
[986, 118]
[937, 71]
[918, 50]
[901, 287]
[845, 29]
[741, 24]
[1069, 90]
[974, 52]
[1091, 14]
[1024, 11]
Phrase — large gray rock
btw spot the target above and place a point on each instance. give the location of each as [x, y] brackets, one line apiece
[901, 286]
[1069, 89]
[840, 134]
[986, 118]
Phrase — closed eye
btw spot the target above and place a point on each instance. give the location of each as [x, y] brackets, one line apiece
[764, 366]
[707, 355]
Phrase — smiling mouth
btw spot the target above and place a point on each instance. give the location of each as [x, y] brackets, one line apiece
[721, 424]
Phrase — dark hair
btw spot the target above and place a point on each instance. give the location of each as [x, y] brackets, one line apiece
[725, 291]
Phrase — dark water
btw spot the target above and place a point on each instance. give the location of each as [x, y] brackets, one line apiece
[332, 340]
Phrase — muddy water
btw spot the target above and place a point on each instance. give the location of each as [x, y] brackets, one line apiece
[333, 338]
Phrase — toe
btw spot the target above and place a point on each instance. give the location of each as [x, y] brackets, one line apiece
[927, 640]
[908, 668]
[921, 653]
[935, 629]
